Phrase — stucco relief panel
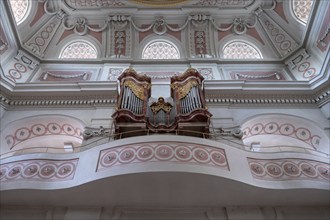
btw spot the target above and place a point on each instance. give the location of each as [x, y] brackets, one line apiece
[284, 129]
[163, 152]
[39, 42]
[19, 68]
[289, 169]
[41, 129]
[114, 73]
[257, 75]
[66, 75]
[282, 41]
[97, 4]
[207, 73]
[38, 170]
[303, 65]
[93, 4]
[222, 3]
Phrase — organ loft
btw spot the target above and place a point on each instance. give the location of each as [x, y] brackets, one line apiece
[183, 112]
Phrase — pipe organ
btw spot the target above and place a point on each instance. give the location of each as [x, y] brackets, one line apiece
[132, 103]
[161, 114]
[192, 116]
[133, 97]
[190, 101]
[184, 112]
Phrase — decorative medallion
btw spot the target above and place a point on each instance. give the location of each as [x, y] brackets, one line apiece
[109, 158]
[127, 155]
[291, 169]
[183, 153]
[308, 170]
[31, 170]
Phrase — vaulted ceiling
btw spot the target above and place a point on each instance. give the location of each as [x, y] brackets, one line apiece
[292, 38]
[271, 26]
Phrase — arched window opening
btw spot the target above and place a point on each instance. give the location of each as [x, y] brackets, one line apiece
[301, 9]
[79, 50]
[241, 50]
[160, 50]
[20, 9]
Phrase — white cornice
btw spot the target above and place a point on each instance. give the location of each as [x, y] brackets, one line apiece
[109, 88]
[266, 87]
[216, 92]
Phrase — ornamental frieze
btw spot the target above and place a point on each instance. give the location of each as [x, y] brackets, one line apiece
[289, 169]
[38, 170]
[163, 152]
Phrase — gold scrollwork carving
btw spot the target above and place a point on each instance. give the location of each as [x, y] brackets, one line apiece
[161, 105]
[137, 90]
[174, 86]
[130, 69]
[184, 90]
[189, 70]
[147, 86]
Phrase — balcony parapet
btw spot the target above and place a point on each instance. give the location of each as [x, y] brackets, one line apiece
[165, 153]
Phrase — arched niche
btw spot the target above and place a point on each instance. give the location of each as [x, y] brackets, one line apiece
[89, 41]
[264, 50]
[79, 50]
[238, 49]
[21, 10]
[166, 39]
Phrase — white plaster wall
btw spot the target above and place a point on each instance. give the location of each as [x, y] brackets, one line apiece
[86, 115]
[15, 119]
[326, 110]
[241, 114]
[2, 112]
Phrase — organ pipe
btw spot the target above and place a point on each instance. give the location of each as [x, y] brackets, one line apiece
[185, 104]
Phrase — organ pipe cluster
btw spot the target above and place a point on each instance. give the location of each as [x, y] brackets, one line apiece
[137, 112]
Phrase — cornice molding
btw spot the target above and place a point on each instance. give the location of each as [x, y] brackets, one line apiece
[59, 94]
[254, 97]
[34, 102]
[253, 87]
[87, 96]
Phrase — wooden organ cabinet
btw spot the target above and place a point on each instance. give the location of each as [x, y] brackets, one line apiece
[192, 116]
[130, 116]
[183, 113]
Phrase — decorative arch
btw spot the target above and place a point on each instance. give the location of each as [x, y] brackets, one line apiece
[21, 9]
[79, 49]
[301, 10]
[160, 49]
[240, 49]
